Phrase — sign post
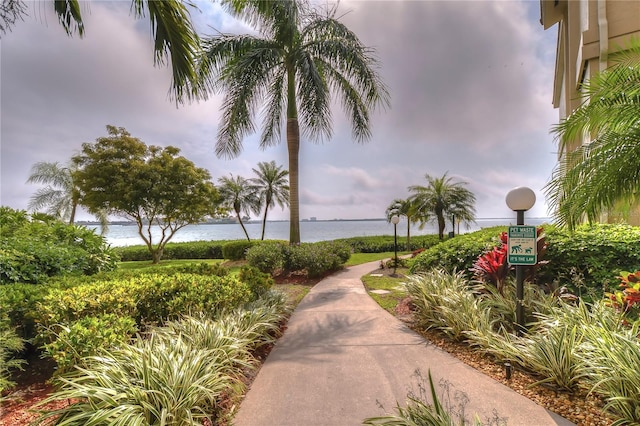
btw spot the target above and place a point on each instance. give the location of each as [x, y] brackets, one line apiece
[522, 245]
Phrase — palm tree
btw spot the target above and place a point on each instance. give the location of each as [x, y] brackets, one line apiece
[603, 173]
[300, 59]
[175, 38]
[273, 188]
[238, 193]
[61, 196]
[400, 207]
[442, 197]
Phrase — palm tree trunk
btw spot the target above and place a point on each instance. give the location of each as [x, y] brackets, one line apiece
[408, 233]
[264, 223]
[293, 146]
[242, 225]
[74, 207]
[441, 224]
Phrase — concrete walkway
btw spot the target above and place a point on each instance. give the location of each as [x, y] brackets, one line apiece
[342, 357]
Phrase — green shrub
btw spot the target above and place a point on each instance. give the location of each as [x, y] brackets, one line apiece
[597, 253]
[457, 253]
[185, 250]
[236, 250]
[146, 297]
[70, 344]
[33, 250]
[316, 258]
[268, 257]
[259, 282]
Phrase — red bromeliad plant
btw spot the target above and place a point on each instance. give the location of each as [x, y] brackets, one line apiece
[628, 297]
[492, 267]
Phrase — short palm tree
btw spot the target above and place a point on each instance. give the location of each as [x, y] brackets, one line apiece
[603, 173]
[273, 188]
[441, 198]
[240, 195]
[61, 196]
[400, 208]
[292, 68]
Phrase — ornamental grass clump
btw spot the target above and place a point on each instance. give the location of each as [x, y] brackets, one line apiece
[177, 374]
[611, 357]
[443, 301]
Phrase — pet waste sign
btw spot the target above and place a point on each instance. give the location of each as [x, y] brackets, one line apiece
[522, 245]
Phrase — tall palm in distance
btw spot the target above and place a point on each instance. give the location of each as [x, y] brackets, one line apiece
[402, 208]
[440, 198]
[272, 186]
[61, 197]
[604, 173]
[239, 195]
[299, 60]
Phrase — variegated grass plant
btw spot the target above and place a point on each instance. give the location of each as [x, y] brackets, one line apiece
[443, 301]
[175, 375]
[611, 359]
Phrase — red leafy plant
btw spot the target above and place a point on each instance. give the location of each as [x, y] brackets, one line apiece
[627, 298]
[492, 267]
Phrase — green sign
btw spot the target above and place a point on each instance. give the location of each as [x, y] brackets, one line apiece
[522, 245]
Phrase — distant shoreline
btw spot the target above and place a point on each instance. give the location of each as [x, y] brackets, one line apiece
[234, 222]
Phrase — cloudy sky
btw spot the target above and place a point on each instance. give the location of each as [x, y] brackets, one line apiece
[470, 85]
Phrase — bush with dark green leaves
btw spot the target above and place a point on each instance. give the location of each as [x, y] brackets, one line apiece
[268, 256]
[314, 258]
[595, 253]
[236, 250]
[172, 251]
[457, 253]
[70, 343]
[259, 282]
[35, 248]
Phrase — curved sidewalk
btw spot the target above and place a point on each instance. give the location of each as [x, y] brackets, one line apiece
[342, 357]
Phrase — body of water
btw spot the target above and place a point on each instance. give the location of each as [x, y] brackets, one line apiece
[310, 231]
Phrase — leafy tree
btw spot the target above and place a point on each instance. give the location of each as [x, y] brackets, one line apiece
[273, 188]
[240, 195]
[175, 38]
[603, 173]
[299, 59]
[400, 207]
[151, 185]
[61, 196]
[442, 197]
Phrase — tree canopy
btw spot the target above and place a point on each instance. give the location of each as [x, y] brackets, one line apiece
[151, 185]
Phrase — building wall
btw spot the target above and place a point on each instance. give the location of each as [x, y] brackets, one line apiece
[588, 30]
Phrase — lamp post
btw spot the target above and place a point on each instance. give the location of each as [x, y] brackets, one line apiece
[520, 200]
[395, 220]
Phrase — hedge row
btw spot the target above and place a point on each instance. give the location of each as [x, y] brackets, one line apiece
[593, 255]
[236, 250]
